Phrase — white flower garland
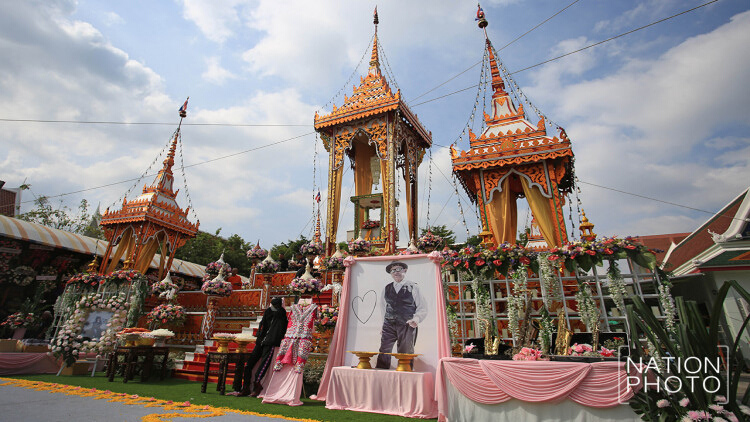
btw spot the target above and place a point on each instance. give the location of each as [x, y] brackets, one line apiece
[587, 309]
[69, 342]
[516, 301]
[616, 286]
[483, 305]
[547, 273]
[667, 304]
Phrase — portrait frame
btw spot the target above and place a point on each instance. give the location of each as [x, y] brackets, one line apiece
[357, 270]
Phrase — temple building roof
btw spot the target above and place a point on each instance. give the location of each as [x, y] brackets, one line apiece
[509, 137]
[372, 97]
[156, 203]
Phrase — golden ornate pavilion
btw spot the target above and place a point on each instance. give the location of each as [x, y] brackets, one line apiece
[514, 158]
[377, 131]
[151, 222]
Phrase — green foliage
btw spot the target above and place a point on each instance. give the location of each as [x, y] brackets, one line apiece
[62, 218]
[443, 231]
[692, 338]
[205, 248]
[474, 240]
[283, 252]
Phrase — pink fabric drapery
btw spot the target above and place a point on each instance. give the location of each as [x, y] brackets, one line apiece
[27, 363]
[408, 394]
[337, 352]
[599, 384]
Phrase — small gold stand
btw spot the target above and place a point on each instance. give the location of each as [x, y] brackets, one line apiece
[404, 361]
[364, 359]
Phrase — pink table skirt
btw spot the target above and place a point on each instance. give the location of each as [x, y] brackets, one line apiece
[409, 394]
[597, 385]
[27, 363]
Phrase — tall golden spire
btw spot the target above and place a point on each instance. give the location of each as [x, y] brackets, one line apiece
[374, 59]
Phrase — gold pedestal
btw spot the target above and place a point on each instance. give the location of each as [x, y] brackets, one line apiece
[404, 361]
[223, 344]
[364, 359]
[242, 345]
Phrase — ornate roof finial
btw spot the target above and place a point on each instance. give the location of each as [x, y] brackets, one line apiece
[374, 58]
[481, 21]
[375, 18]
[498, 85]
[183, 109]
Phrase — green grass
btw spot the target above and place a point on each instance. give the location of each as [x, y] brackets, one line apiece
[179, 390]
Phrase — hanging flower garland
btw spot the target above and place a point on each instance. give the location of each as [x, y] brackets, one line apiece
[587, 306]
[667, 305]
[69, 342]
[516, 301]
[616, 285]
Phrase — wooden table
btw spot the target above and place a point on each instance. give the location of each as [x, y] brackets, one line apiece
[224, 359]
[130, 361]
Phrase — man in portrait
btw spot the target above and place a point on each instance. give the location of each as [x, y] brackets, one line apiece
[404, 308]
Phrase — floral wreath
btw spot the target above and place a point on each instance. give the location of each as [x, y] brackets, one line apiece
[69, 342]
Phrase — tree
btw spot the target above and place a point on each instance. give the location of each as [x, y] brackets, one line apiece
[61, 218]
[283, 252]
[206, 247]
[449, 238]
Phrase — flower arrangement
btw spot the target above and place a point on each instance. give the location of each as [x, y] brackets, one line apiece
[23, 275]
[161, 332]
[359, 245]
[244, 336]
[484, 261]
[69, 342]
[167, 313]
[311, 248]
[224, 336]
[85, 280]
[582, 349]
[301, 286]
[469, 348]
[267, 266]
[19, 320]
[257, 253]
[217, 287]
[124, 276]
[429, 242]
[327, 318]
[527, 353]
[163, 288]
[586, 254]
[370, 224]
[335, 263]
[214, 268]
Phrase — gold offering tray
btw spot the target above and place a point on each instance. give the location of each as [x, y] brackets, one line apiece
[364, 358]
[404, 360]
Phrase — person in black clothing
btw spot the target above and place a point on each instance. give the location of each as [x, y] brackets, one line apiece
[270, 333]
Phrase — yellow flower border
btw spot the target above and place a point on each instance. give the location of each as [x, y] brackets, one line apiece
[188, 409]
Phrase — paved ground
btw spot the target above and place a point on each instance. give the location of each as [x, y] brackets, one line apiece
[24, 404]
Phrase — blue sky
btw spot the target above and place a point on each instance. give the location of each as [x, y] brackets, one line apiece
[661, 112]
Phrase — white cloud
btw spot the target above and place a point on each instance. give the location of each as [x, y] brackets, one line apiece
[215, 73]
[217, 19]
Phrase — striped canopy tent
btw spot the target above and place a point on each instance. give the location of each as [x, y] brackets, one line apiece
[60, 239]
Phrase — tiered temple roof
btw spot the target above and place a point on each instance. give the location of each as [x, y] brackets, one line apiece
[156, 204]
[372, 97]
[509, 137]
